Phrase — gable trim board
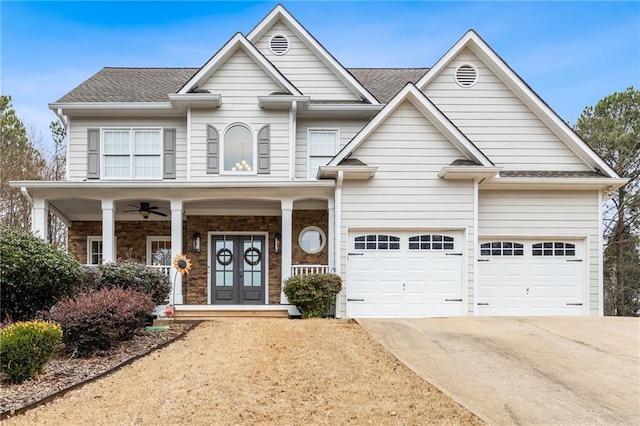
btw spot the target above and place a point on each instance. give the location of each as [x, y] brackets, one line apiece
[238, 41]
[280, 13]
[514, 82]
[431, 112]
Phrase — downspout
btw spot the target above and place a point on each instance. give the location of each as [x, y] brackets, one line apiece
[293, 113]
[338, 236]
[66, 124]
[476, 213]
[600, 236]
[188, 143]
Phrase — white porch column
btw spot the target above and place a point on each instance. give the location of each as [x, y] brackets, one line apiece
[331, 238]
[39, 218]
[176, 248]
[286, 252]
[108, 231]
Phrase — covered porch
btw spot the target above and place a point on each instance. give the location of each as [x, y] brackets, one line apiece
[243, 242]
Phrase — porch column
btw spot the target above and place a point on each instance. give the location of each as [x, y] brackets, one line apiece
[108, 231]
[331, 238]
[39, 218]
[287, 224]
[175, 298]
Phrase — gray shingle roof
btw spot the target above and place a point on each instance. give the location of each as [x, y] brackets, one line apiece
[385, 83]
[153, 84]
[130, 85]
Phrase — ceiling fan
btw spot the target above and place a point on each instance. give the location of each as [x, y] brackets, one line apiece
[145, 209]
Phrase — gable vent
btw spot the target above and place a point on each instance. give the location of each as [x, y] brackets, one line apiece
[466, 75]
[279, 44]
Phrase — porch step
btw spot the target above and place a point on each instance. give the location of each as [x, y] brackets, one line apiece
[205, 314]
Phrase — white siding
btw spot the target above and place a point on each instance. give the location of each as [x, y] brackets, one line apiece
[303, 68]
[240, 81]
[78, 140]
[406, 192]
[348, 129]
[498, 122]
[545, 214]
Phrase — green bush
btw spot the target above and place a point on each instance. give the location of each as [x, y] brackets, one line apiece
[98, 319]
[26, 347]
[312, 294]
[34, 275]
[136, 276]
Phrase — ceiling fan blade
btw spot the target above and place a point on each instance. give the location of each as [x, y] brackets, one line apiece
[158, 213]
[154, 208]
[137, 207]
[127, 211]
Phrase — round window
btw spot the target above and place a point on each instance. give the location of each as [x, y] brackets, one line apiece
[312, 239]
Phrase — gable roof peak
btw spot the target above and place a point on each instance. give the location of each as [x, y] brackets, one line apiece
[238, 41]
[280, 13]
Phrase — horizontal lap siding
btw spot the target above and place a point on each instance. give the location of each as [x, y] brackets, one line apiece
[498, 122]
[545, 214]
[240, 81]
[78, 139]
[303, 68]
[348, 129]
[406, 191]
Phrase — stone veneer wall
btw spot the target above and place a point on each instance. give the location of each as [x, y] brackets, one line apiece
[131, 243]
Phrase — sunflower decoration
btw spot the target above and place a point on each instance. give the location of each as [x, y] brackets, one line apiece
[182, 264]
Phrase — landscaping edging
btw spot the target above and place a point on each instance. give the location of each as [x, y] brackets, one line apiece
[12, 413]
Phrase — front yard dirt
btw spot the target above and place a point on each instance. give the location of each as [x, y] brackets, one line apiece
[259, 371]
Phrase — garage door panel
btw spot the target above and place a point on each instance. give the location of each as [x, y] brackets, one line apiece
[531, 283]
[404, 282]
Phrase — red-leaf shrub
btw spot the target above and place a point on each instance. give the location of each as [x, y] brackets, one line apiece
[98, 319]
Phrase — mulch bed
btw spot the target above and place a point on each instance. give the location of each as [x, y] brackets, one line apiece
[65, 371]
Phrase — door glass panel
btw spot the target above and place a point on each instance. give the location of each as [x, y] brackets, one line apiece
[252, 262]
[224, 263]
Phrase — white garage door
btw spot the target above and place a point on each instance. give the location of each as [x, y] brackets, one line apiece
[531, 278]
[404, 274]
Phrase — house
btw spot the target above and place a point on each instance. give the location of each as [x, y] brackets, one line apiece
[447, 191]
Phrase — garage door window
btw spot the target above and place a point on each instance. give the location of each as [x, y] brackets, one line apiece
[554, 248]
[377, 242]
[501, 248]
[431, 242]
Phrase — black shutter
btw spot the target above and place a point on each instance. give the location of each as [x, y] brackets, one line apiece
[169, 141]
[213, 150]
[264, 139]
[93, 153]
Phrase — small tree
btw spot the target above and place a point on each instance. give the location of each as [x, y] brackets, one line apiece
[312, 294]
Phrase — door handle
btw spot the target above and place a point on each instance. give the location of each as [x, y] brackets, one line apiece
[483, 304]
[355, 300]
[453, 300]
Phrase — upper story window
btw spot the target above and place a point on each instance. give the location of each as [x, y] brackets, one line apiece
[322, 147]
[132, 153]
[238, 149]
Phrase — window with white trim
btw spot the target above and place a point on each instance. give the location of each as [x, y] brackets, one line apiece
[132, 153]
[377, 242]
[501, 248]
[431, 242]
[159, 251]
[553, 248]
[322, 146]
[312, 239]
[238, 149]
[94, 250]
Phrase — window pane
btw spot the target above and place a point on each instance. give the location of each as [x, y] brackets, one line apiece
[147, 166]
[323, 143]
[238, 149]
[116, 166]
[116, 142]
[146, 142]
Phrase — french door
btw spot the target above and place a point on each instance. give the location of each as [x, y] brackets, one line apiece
[238, 269]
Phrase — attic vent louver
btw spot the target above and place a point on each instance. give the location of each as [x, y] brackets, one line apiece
[466, 75]
[279, 44]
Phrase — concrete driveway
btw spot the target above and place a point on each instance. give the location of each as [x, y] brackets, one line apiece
[528, 371]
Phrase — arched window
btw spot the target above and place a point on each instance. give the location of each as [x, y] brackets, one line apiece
[238, 149]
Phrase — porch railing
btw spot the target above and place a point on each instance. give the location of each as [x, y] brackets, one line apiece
[309, 269]
[165, 269]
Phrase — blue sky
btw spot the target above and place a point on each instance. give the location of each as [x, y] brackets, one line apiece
[571, 53]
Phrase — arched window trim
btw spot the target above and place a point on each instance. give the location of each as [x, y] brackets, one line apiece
[254, 147]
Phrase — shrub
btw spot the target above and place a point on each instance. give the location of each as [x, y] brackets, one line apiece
[26, 347]
[35, 275]
[98, 319]
[312, 294]
[130, 274]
